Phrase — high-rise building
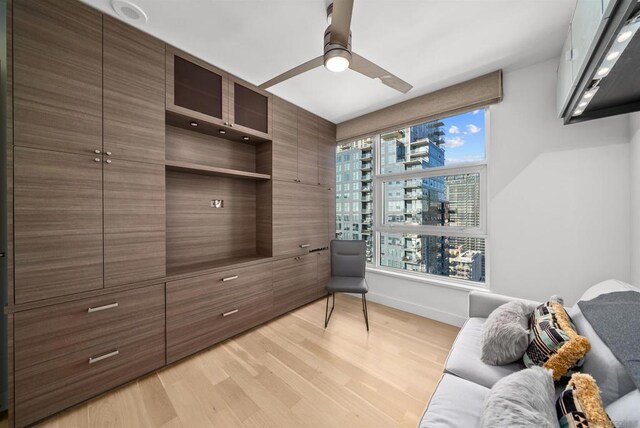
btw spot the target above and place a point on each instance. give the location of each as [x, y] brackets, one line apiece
[466, 264]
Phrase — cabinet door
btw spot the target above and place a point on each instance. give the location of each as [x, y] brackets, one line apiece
[330, 200]
[314, 214]
[58, 224]
[324, 273]
[565, 76]
[293, 282]
[584, 26]
[326, 153]
[291, 207]
[249, 109]
[307, 147]
[57, 81]
[134, 222]
[134, 112]
[196, 89]
[285, 140]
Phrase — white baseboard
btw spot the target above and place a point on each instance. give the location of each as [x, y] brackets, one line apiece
[423, 311]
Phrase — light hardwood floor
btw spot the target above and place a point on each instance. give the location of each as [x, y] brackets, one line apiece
[290, 372]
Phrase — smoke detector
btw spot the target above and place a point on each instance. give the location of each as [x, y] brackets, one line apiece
[129, 11]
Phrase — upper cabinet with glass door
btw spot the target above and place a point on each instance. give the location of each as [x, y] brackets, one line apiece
[206, 99]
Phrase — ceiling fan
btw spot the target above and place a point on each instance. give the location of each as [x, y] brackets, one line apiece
[338, 55]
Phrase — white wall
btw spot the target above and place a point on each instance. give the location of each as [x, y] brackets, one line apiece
[559, 206]
[635, 197]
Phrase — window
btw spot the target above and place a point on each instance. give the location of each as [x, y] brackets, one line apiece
[427, 183]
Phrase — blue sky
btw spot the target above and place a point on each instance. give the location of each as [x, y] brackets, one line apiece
[464, 137]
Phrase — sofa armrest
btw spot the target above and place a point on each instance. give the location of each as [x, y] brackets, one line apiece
[481, 303]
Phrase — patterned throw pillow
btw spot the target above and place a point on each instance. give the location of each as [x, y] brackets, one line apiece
[580, 405]
[553, 341]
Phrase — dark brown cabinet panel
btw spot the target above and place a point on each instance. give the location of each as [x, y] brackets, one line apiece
[134, 93]
[58, 224]
[204, 310]
[294, 280]
[249, 108]
[196, 89]
[72, 351]
[307, 147]
[324, 273]
[134, 222]
[326, 153]
[57, 66]
[285, 140]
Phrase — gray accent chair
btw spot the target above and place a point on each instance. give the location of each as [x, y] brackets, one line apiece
[348, 263]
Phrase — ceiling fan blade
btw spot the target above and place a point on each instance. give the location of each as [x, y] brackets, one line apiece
[309, 65]
[341, 21]
[366, 67]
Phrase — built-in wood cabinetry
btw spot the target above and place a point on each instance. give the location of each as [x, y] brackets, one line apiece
[139, 238]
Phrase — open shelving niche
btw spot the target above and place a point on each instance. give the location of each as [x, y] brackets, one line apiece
[201, 168]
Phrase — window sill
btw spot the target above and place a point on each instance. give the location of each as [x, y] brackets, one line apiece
[422, 279]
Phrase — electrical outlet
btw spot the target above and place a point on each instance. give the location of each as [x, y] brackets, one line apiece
[217, 203]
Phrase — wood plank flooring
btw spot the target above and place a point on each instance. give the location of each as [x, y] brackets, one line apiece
[290, 372]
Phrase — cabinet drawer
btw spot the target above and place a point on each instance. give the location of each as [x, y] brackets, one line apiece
[196, 308]
[69, 364]
[293, 282]
[54, 331]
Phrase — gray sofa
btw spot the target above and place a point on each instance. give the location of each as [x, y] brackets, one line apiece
[459, 396]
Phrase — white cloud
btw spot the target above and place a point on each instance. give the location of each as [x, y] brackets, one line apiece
[473, 129]
[454, 130]
[452, 143]
[466, 159]
[476, 112]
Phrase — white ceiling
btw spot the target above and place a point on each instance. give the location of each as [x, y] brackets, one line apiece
[429, 43]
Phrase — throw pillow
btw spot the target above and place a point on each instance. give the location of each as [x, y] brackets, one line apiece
[553, 341]
[580, 404]
[524, 399]
[505, 334]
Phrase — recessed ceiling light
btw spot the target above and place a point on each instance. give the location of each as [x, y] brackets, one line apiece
[222, 131]
[603, 71]
[129, 11]
[623, 37]
[245, 138]
[193, 123]
[613, 55]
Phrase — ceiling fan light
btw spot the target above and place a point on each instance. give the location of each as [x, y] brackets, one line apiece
[337, 60]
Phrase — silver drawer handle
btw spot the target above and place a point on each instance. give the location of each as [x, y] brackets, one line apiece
[103, 357]
[230, 278]
[226, 314]
[305, 245]
[103, 308]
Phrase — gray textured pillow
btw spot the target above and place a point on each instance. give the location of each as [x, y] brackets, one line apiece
[505, 334]
[525, 399]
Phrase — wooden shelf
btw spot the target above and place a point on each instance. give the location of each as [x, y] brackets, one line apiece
[197, 269]
[212, 170]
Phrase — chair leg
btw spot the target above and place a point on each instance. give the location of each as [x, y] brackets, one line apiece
[327, 314]
[364, 308]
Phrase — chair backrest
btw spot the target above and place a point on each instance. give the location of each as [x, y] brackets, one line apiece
[348, 258]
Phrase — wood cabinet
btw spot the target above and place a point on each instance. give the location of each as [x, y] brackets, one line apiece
[57, 76]
[197, 91]
[58, 224]
[134, 222]
[69, 352]
[134, 111]
[204, 310]
[324, 273]
[326, 153]
[294, 279]
[285, 140]
[307, 148]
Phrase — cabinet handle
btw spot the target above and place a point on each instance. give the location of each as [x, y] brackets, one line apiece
[96, 159]
[226, 123]
[108, 153]
[230, 278]
[226, 314]
[96, 151]
[305, 245]
[103, 308]
[103, 357]
[108, 161]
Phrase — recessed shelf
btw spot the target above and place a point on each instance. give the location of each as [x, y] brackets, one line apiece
[213, 266]
[212, 170]
[183, 118]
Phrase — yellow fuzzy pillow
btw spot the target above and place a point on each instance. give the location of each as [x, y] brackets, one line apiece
[553, 341]
[580, 404]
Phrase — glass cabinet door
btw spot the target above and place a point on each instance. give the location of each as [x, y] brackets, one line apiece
[250, 108]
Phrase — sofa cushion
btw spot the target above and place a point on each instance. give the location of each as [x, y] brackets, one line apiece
[525, 399]
[554, 341]
[580, 404]
[505, 334]
[611, 376]
[625, 412]
[455, 403]
[607, 286]
[464, 357]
